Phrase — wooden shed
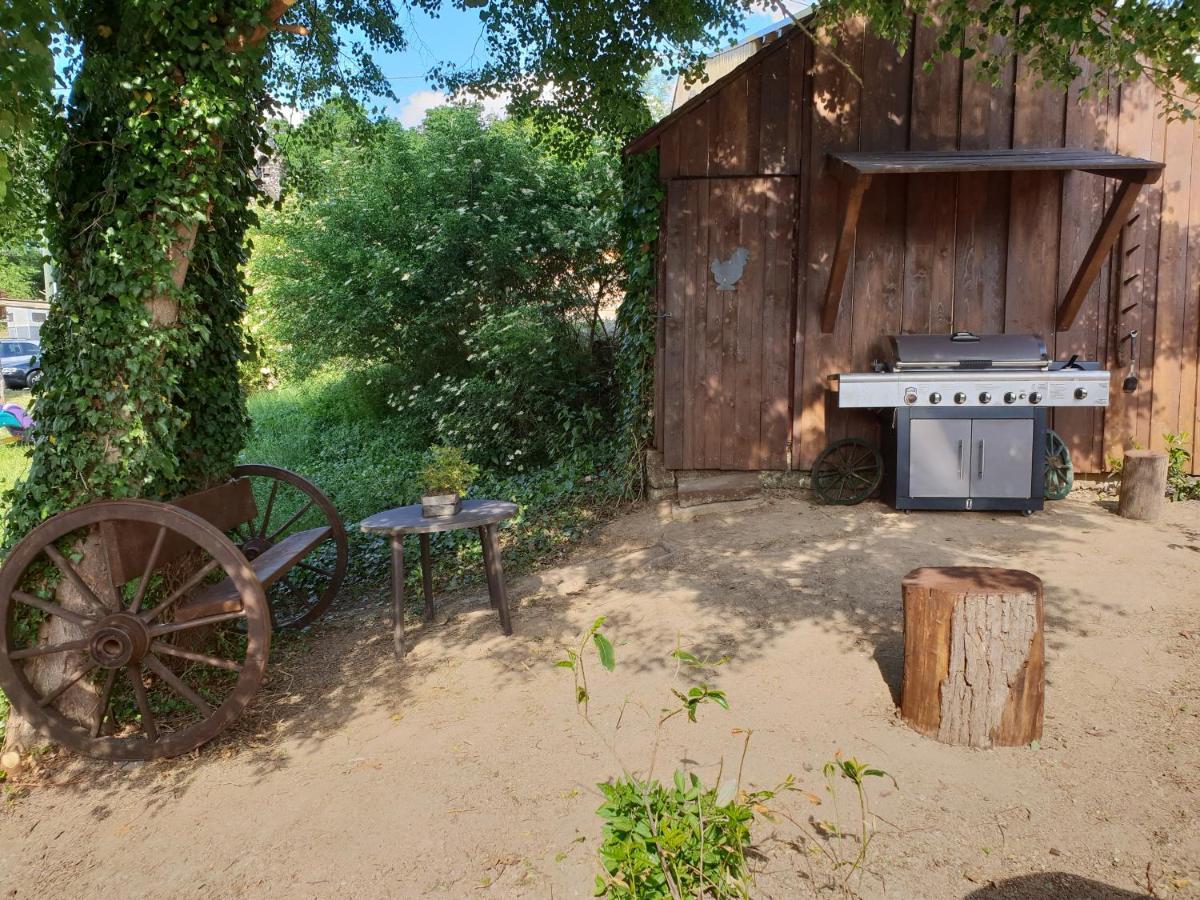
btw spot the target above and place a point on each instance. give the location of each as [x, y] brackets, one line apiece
[773, 157]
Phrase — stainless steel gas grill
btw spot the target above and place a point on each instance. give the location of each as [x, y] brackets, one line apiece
[964, 424]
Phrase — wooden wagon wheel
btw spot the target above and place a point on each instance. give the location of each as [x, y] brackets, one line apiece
[157, 693]
[1060, 471]
[847, 472]
[289, 504]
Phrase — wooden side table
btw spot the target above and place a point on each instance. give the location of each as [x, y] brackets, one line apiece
[482, 515]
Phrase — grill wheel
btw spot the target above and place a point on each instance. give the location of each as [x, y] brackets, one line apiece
[1060, 472]
[847, 472]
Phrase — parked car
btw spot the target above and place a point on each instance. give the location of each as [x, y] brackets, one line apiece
[20, 363]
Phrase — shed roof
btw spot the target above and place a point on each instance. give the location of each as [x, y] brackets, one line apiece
[1049, 159]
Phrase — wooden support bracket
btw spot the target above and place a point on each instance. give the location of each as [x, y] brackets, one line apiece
[1110, 228]
[855, 190]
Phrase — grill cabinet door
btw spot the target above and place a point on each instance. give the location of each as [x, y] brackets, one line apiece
[939, 451]
[1001, 457]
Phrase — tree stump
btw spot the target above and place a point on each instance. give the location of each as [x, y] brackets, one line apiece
[1143, 485]
[973, 655]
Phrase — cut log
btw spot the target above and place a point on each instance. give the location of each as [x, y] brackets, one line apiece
[973, 655]
[1143, 485]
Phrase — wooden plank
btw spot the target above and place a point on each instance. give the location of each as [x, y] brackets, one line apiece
[694, 135]
[754, 87]
[130, 545]
[1154, 203]
[799, 107]
[835, 289]
[981, 218]
[778, 299]
[833, 126]
[775, 91]
[677, 328]
[660, 331]
[1089, 267]
[1191, 329]
[1035, 211]
[699, 375]
[668, 155]
[877, 286]
[800, 111]
[715, 326]
[1024, 159]
[750, 210]
[929, 259]
[1086, 196]
[1135, 137]
[729, 147]
[726, 241]
[1172, 299]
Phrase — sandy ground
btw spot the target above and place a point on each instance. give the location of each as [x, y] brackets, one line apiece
[465, 771]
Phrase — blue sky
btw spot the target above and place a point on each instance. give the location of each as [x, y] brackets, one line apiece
[456, 37]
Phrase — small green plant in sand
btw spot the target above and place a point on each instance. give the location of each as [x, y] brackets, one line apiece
[689, 839]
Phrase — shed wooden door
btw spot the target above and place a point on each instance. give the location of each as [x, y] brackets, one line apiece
[727, 347]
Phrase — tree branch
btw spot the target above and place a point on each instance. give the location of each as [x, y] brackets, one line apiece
[258, 33]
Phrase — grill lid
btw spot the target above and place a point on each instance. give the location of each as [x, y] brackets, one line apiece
[964, 350]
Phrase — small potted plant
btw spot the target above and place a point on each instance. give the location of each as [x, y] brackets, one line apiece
[445, 478]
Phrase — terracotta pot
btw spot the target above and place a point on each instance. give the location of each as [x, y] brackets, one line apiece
[438, 506]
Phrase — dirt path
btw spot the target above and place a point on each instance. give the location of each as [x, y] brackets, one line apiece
[466, 772]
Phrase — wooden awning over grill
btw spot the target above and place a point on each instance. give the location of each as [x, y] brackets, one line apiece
[856, 171]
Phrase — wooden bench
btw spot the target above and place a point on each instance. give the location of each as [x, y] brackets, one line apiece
[130, 546]
[139, 594]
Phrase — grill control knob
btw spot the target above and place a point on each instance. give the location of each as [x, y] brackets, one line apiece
[985, 397]
[935, 397]
[960, 398]
[910, 396]
[1010, 397]
[1080, 393]
[1035, 397]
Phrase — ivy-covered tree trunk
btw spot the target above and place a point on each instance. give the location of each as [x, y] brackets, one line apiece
[151, 191]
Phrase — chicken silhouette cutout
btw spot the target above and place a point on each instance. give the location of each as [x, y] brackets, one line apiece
[728, 271]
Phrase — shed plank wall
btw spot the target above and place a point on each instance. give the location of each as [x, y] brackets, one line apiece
[980, 251]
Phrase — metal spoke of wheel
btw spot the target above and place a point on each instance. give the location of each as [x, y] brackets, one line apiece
[171, 680]
[149, 723]
[105, 697]
[315, 569]
[76, 676]
[160, 630]
[53, 609]
[63, 565]
[215, 661]
[266, 522]
[49, 649]
[146, 576]
[290, 522]
[196, 578]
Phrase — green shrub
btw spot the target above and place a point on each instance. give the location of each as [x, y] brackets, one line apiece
[468, 261]
[447, 471]
[535, 391]
[1181, 485]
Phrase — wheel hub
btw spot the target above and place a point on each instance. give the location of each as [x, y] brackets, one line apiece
[255, 547]
[119, 640]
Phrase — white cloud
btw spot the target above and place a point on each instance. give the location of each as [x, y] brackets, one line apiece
[418, 103]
